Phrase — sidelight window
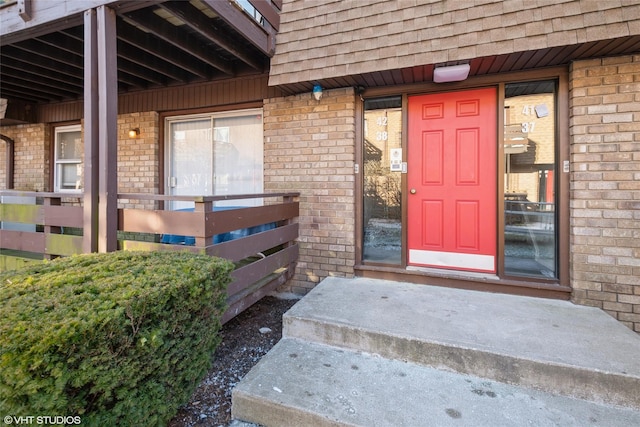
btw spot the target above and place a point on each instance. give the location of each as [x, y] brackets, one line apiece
[530, 214]
[382, 170]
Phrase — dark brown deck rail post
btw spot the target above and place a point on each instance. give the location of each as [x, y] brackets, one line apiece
[201, 208]
[91, 165]
[292, 265]
[107, 129]
[51, 229]
[287, 199]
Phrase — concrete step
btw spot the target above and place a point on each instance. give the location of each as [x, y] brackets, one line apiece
[301, 383]
[549, 345]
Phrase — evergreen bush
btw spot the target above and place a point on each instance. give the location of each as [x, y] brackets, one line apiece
[117, 339]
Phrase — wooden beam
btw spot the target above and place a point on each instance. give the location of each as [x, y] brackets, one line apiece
[52, 16]
[23, 241]
[39, 86]
[142, 71]
[167, 70]
[249, 296]
[14, 68]
[68, 40]
[238, 249]
[237, 19]
[161, 29]
[28, 94]
[235, 219]
[158, 222]
[42, 50]
[200, 23]
[62, 41]
[203, 199]
[107, 130]
[56, 67]
[91, 163]
[158, 48]
[24, 9]
[248, 274]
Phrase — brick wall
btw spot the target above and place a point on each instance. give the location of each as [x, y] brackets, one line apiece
[309, 147]
[138, 158]
[31, 164]
[605, 185]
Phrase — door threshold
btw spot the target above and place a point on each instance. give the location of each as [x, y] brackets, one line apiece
[453, 273]
[465, 280]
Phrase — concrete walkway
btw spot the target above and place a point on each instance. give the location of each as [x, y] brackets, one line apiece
[379, 353]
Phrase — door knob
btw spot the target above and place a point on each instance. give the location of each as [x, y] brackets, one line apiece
[412, 191]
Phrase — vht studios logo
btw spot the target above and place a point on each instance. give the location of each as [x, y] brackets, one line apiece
[42, 420]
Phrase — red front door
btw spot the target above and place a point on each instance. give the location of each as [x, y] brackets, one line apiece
[452, 180]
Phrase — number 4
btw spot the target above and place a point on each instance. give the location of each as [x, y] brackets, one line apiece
[381, 121]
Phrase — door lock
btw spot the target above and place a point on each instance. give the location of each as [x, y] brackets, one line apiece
[412, 191]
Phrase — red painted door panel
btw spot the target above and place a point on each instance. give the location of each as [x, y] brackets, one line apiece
[452, 168]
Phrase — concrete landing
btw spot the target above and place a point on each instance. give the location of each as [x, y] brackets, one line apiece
[376, 353]
[551, 345]
[300, 383]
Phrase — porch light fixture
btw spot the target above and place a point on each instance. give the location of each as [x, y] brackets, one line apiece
[317, 92]
[454, 73]
[134, 133]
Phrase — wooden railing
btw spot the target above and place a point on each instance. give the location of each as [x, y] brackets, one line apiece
[260, 240]
[264, 260]
[33, 222]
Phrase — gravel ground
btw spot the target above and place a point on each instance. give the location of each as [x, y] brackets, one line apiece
[245, 340]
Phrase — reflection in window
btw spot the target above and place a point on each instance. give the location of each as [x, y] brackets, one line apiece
[382, 180]
[530, 237]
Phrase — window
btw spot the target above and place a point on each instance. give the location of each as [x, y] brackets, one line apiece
[68, 158]
[530, 232]
[382, 169]
[215, 154]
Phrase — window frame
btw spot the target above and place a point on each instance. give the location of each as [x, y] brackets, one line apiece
[558, 175]
[210, 115]
[56, 172]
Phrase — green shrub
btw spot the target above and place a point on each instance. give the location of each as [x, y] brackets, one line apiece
[117, 339]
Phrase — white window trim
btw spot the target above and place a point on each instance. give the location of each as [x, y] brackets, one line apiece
[56, 174]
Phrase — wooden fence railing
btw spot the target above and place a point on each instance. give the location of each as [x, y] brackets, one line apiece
[260, 240]
[34, 222]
